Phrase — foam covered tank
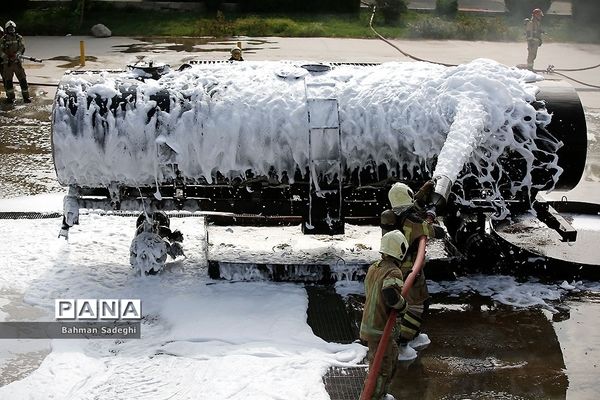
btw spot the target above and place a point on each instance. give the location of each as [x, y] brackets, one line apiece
[276, 133]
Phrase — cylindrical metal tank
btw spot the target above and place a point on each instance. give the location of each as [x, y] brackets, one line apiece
[295, 127]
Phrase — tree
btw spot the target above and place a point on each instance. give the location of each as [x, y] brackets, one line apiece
[391, 10]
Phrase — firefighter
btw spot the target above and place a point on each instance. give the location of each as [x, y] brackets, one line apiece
[236, 54]
[12, 48]
[410, 215]
[383, 290]
[533, 33]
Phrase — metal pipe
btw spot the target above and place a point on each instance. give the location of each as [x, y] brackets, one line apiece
[443, 186]
[81, 53]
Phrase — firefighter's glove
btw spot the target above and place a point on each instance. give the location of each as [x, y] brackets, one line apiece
[424, 193]
[393, 299]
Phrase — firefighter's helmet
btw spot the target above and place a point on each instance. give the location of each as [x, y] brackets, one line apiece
[10, 27]
[537, 12]
[394, 244]
[401, 195]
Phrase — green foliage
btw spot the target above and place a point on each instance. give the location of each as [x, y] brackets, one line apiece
[432, 28]
[523, 8]
[58, 20]
[469, 28]
[447, 8]
[391, 10]
[462, 28]
[218, 27]
[256, 26]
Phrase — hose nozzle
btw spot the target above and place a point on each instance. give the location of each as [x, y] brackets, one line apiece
[441, 191]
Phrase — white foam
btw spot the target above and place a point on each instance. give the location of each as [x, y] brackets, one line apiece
[507, 290]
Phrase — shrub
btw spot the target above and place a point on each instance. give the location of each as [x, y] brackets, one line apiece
[523, 8]
[218, 27]
[391, 10]
[448, 8]
[432, 28]
[256, 26]
[468, 28]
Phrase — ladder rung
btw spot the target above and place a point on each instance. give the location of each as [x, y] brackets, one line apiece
[324, 128]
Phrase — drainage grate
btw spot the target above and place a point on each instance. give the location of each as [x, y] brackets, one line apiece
[28, 215]
[344, 383]
[327, 315]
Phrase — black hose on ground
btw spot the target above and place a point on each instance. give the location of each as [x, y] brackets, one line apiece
[399, 49]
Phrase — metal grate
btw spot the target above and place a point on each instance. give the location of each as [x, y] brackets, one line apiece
[28, 215]
[327, 315]
[344, 383]
[329, 319]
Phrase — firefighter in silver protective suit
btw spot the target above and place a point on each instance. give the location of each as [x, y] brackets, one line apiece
[12, 48]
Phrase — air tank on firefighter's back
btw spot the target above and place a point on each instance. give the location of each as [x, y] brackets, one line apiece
[282, 137]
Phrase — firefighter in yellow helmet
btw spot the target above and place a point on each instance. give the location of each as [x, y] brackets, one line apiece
[383, 291]
[533, 33]
[236, 54]
[12, 48]
[411, 215]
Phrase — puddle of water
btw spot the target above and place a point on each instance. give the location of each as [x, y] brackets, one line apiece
[486, 353]
[72, 62]
[190, 45]
[26, 166]
[579, 337]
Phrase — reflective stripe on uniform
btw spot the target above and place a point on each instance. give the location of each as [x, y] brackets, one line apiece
[387, 282]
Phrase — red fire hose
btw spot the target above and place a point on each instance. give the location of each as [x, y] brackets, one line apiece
[385, 337]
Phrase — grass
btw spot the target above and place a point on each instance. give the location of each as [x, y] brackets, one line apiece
[61, 20]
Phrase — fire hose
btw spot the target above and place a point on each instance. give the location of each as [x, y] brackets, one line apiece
[385, 337]
[550, 68]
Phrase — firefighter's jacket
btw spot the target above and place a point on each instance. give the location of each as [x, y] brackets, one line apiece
[413, 226]
[533, 30]
[12, 46]
[383, 290]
